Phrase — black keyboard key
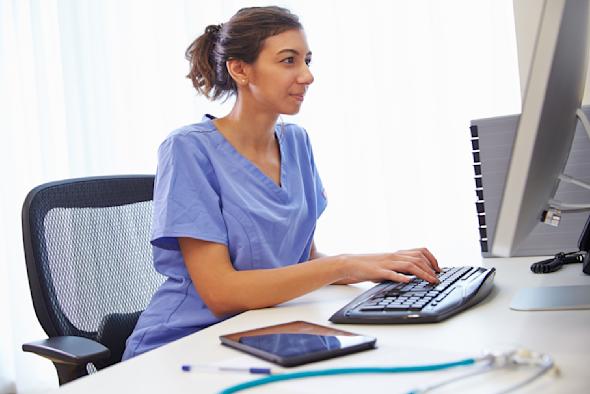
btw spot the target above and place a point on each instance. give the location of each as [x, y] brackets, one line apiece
[396, 308]
[445, 294]
[372, 308]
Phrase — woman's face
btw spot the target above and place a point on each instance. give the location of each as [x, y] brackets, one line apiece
[280, 76]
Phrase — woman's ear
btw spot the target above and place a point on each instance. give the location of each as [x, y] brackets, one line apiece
[238, 70]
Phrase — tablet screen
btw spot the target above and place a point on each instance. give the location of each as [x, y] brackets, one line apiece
[297, 342]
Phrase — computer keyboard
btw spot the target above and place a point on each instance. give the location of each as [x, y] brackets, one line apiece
[419, 301]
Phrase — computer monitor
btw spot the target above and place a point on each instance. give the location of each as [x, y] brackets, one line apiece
[548, 121]
[550, 112]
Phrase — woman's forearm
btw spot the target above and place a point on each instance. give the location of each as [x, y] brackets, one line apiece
[254, 289]
[226, 290]
[316, 255]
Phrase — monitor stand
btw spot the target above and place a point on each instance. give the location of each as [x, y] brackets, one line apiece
[552, 298]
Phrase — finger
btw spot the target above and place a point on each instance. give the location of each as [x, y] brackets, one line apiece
[417, 258]
[428, 256]
[395, 276]
[415, 269]
[431, 258]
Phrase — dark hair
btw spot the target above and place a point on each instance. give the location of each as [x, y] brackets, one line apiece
[240, 38]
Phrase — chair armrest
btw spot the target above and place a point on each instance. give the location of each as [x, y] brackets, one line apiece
[68, 350]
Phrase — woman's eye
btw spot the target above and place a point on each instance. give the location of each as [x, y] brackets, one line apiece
[308, 61]
[289, 60]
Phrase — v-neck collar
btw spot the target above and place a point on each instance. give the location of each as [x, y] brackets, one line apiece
[249, 165]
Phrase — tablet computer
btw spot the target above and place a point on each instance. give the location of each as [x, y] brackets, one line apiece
[297, 342]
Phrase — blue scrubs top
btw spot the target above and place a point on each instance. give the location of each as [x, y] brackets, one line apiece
[206, 190]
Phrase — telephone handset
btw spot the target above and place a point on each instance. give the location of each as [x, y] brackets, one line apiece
[584, 245]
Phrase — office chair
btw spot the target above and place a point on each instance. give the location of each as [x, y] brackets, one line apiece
[89, 264]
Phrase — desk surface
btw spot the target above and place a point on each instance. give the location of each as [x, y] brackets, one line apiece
[489, 325]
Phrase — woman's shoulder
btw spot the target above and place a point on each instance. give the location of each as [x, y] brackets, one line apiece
[296, 138]
[195, 131]
[194, 143]
[293, 132]
[291, 128]
[200, 135]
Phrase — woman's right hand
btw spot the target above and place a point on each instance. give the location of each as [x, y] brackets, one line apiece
[390, 266]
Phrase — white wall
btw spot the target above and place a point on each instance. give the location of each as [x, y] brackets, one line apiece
[390, 128]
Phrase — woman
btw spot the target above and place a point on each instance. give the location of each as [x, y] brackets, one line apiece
[237, 198]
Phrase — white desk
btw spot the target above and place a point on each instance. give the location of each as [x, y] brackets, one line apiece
[492, 325]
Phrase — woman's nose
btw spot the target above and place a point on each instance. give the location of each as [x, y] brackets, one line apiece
[306, 76]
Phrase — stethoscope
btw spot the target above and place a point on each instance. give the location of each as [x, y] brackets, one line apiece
[491, 361]
[488, 362]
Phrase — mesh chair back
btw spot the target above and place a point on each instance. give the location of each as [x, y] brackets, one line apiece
[88, 256]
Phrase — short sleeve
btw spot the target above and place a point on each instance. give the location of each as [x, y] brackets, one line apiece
[320, 192]
[186, 196]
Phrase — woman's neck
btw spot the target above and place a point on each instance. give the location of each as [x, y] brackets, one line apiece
[249, 128]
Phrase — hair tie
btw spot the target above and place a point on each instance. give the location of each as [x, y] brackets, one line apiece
[214, 29]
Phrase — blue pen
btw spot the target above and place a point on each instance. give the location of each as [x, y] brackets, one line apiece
[255, 371]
